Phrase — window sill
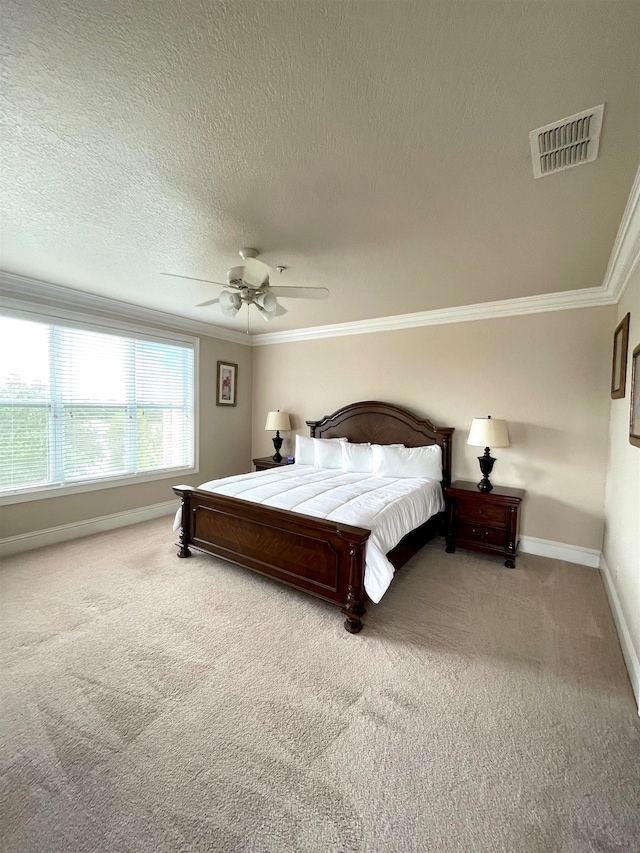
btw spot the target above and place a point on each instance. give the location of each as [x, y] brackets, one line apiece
[39, 494]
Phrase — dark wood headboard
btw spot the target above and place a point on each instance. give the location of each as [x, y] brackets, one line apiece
[382, 423]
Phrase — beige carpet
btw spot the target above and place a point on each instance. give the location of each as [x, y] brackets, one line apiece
[157, 704]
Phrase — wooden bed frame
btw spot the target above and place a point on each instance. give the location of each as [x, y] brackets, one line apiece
[322, 558]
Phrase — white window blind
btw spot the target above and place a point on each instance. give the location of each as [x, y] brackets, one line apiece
[78, 405]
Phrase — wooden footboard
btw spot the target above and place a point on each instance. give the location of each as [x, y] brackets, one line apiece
[323, 558]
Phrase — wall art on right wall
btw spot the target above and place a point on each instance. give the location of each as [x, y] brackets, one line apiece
[619, 365]
[634, 418]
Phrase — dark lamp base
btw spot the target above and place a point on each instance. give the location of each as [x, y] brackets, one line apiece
[277, 444]
[486, 466]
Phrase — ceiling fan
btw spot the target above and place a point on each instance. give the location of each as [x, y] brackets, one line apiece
[249, 284]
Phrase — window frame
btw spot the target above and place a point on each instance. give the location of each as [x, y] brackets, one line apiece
[59, 315]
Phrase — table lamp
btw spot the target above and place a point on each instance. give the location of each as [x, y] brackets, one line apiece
[278, 421]
[486, 432]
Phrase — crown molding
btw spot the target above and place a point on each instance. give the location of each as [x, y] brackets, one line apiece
[585, 298]
[17, 287]
[625, 254]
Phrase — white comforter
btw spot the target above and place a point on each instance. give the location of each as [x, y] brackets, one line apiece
[389, 507]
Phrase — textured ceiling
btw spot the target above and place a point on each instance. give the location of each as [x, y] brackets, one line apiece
[379, 149]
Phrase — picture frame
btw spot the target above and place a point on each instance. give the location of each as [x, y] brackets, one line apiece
[634, 415]
[227, 384]
[619, 363]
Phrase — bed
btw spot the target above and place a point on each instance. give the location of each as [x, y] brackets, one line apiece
[319, 556]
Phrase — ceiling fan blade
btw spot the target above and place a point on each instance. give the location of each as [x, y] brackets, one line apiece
[300, 292]
[208, 302]
[255, 272]
[191, 278]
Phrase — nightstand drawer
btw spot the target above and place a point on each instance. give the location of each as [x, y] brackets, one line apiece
[477, 533]
[484, 522]
[482, 512]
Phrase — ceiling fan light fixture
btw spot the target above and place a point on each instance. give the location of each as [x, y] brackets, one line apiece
[230, 300]
[267, 301]
[230, 303]
[266, 315]
[230, 312]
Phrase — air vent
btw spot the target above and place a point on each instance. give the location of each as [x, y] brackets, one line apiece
[569, 142]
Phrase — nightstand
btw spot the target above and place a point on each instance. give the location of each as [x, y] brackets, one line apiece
[484, 521]
[265, 462]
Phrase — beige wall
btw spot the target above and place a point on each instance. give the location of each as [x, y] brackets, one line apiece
[622, 505]
[547, 374]
[225, 441]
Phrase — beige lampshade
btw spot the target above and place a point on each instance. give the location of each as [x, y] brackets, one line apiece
[487, 432]
[278, 420]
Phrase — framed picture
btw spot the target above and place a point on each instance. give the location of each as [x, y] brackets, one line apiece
[227, 385]
[619, 366]
[634, 420]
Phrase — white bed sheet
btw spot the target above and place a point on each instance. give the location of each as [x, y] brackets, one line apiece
[389, 507]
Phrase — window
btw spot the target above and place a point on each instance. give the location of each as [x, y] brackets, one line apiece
[80, 406]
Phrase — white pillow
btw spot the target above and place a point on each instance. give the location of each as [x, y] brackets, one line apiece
[357, 458]
[407, 461]
[304, 450]
[328, 452]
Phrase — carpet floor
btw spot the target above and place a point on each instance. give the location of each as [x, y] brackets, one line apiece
[158, 705]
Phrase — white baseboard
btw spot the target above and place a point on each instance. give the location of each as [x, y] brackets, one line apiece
[628, 652]
[560, 551]
[54, 535]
